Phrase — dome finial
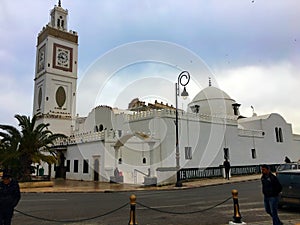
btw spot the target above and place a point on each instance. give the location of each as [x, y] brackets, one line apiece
[253, 112]
[59, 3]
[209, 81]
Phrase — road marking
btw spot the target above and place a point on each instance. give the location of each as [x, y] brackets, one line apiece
[244, 210]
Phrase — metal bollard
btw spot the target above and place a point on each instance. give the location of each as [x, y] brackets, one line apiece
[237, 218]
[132, 219]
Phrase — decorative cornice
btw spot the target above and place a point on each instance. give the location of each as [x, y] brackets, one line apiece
[52, 116]
[49, 31]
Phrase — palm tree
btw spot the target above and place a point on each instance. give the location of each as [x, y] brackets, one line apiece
[9, 143]
[33, 144]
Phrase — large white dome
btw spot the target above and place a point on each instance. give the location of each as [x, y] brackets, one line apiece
[212, 101]
[211, 93]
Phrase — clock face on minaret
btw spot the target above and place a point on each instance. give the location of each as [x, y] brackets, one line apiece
[62, 57]
[41, 58]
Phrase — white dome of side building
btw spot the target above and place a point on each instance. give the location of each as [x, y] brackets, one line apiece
[214, 102]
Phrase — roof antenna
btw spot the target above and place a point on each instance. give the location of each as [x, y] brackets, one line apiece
[209, 81]
[59, 3]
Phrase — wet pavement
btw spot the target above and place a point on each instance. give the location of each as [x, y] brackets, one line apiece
[71, 186]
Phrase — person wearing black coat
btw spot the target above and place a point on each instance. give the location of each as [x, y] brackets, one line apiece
[226, 165]
[271, 188]
[9, 198]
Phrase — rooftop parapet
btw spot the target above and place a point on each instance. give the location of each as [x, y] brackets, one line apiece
[81, 138]
[183, 115]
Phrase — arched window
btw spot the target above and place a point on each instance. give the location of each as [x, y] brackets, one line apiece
[96, 129]
[85, 166]
[144, 160]
[120, 133]
[253, 153]
[226, 153]
[276, 134]
[280, 135]
[100, 127]
[188, 152]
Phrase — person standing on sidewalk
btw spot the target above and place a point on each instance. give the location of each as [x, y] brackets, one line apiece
[226, 165]
[9, 198]
[271, 189]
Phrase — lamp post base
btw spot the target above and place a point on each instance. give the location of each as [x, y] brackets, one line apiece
[178, 184]
[233, 223]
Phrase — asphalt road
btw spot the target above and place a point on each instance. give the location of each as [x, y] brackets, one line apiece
[168, 207]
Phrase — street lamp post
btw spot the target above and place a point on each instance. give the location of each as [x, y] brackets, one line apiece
[183, 79]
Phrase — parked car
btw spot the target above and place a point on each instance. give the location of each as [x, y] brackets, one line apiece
[289, 166]
[290, 181]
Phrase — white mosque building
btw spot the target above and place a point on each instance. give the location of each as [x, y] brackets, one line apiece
[140, 141]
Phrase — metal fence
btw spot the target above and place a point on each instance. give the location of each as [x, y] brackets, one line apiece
[210, 172]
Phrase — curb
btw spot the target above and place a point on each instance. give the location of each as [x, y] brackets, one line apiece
[39, 184]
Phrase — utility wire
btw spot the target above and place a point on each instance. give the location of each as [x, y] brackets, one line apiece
[71, 221]
[119, 208]
[182, 213]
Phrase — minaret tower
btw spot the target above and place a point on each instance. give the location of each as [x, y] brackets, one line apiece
[56, 73]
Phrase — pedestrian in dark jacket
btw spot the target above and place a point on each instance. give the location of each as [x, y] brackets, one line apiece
[226, 165]
[271, 189]
[9, 198]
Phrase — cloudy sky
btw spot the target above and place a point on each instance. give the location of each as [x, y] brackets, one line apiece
[250, 48]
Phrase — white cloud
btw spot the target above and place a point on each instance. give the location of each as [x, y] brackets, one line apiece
[14, 99]
[270, 89]
[6, 56]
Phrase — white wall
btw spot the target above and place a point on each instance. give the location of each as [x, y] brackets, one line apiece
[207, 139]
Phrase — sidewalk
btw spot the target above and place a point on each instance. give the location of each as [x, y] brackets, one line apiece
[91, 186]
